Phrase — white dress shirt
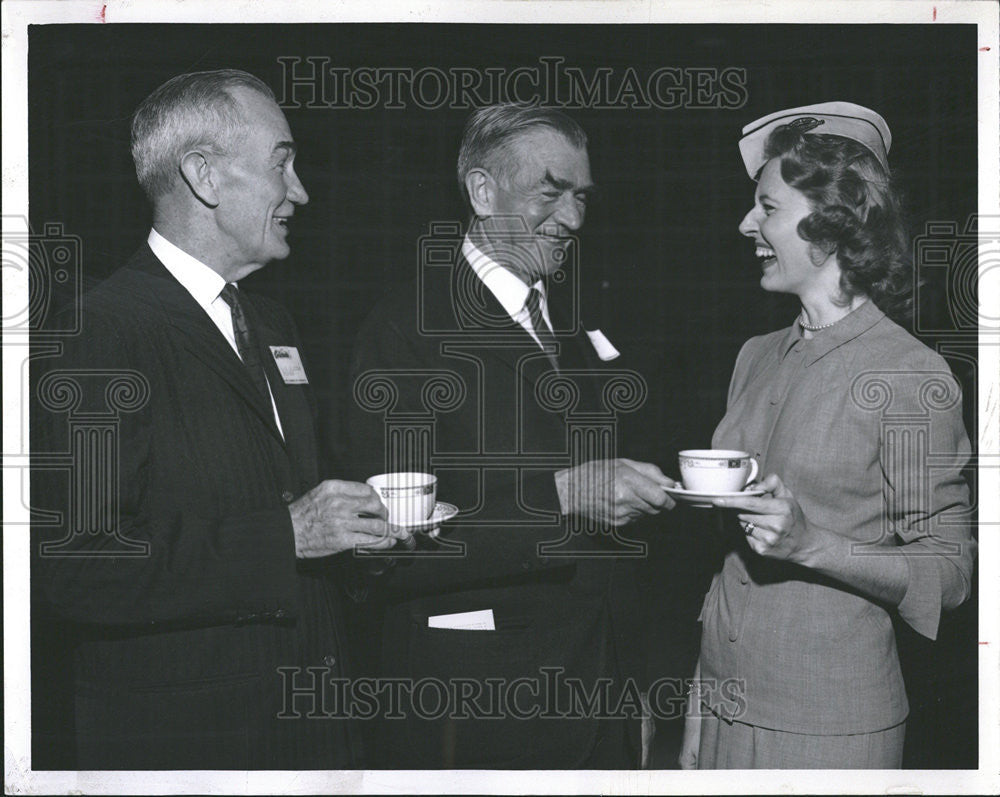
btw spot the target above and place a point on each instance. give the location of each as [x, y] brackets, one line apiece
[507, 287]
[512, 294]
[205, 286]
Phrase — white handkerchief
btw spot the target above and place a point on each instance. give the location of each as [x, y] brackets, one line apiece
[289, 364]
[481, 620]
[602, 345]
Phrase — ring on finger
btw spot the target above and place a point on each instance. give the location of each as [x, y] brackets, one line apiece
[748, 527]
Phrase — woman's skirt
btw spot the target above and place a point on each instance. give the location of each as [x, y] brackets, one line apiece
[740, 746]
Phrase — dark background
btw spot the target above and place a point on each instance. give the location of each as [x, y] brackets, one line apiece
[664, 271]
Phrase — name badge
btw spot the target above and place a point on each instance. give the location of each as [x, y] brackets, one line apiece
[289, 365]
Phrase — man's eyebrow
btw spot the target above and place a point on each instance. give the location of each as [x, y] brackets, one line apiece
[565, 185]
[763, 197]
[288, 147]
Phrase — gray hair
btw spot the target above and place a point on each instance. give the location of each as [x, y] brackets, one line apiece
[190, 111]
[490, 132]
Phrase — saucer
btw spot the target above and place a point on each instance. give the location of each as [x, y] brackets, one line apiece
[704, 500]
[442, 512]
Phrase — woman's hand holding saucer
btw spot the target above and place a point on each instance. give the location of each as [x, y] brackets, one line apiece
[773, 523]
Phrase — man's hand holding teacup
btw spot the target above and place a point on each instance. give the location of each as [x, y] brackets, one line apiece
[613, 491]
[338, 515]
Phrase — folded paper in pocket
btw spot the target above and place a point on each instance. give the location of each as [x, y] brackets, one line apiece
[481, 620]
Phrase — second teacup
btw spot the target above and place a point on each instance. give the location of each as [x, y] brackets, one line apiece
[716, 470]
[408, 497]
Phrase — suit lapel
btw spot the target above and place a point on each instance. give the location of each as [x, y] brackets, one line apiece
[478, 315]
[483, 312]
[476, 306]
[199, 335]
[293, 408]
[576, 352]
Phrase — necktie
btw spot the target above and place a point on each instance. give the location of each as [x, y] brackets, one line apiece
[246, 341]
[542, 331]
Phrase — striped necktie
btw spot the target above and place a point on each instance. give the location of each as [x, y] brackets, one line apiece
[246, 340]
[542, 331]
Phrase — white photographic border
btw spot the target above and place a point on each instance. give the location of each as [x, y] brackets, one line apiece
[19, 777]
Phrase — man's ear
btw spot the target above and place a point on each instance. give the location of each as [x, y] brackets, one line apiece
[200, 178]
[482, 190]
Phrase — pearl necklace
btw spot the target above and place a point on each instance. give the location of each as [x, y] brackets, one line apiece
[806, 326]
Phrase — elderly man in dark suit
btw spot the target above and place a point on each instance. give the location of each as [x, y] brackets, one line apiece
[525, 603]
[207, 616]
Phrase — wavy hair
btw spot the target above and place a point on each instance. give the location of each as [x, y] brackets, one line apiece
[192, 110]
[856, 213]
[487, 140]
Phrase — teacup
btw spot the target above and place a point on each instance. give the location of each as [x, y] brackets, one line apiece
[716, 470]
[408, 497]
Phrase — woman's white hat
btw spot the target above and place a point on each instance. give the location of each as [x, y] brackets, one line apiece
[830, 118]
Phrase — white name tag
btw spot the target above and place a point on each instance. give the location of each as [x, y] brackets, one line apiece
[467, 621]
[289, 364]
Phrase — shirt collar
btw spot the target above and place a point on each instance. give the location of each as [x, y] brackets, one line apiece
[201, 281]
[503, 283]
[847, 329]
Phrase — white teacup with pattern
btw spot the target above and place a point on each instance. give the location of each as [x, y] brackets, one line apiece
[408, 497]
[716, 470]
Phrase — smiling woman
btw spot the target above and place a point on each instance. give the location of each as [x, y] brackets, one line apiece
[852, 524]
[790, 263]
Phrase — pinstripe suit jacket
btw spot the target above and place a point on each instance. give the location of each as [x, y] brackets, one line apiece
[180, 646]
[575, 613]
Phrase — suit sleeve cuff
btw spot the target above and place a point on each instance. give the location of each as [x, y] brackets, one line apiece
[934, 583]
[264, 567]
[540, 492]
[921, 605]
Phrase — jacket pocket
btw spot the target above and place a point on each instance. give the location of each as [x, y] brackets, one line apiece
[215, 723]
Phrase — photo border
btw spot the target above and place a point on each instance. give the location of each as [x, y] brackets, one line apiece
[17, 14]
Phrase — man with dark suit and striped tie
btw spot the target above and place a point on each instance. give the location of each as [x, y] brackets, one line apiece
[206, 612]
[527, 598]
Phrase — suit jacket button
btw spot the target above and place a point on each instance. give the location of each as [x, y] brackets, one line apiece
[329, 660]
[543, 560]
[526, 565]
[288, 496]
[733, 636]
[744, 579]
